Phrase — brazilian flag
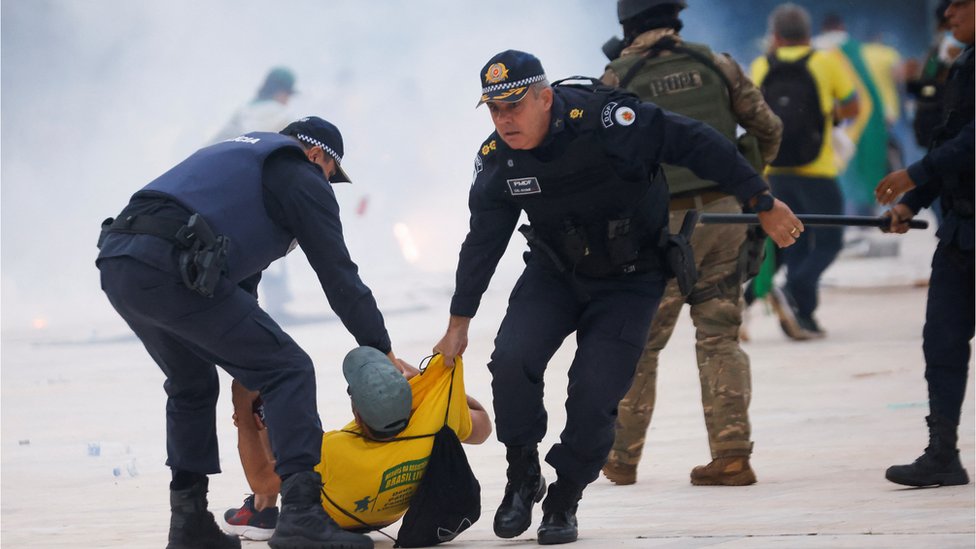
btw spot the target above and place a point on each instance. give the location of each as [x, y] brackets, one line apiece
[870, 162]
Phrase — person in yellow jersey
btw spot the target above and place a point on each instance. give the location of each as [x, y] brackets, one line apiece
[808, 89]
[371, 467]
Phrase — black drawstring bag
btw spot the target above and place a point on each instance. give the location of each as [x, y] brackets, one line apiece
[447, 500]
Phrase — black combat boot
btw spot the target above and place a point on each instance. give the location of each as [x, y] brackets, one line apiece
[939, 465]
[525, 487]
[191, 526]
[304, 524]
[559, 513]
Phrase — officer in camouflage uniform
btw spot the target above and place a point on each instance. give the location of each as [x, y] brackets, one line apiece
[692, 80]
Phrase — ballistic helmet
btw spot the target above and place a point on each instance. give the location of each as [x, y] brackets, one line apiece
[629, 8]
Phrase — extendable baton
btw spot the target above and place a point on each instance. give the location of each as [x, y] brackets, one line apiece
[881, 222]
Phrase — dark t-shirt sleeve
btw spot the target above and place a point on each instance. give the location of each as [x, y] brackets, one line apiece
[298, 198]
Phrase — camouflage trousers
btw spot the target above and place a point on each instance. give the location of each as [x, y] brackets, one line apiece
[723, 367]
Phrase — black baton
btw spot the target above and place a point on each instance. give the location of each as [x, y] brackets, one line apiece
[881, 222]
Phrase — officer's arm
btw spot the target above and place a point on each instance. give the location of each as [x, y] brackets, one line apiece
[656, 136]
[951, 157]
[664, 136]
[491, 226]
[300, 200]
[922, 197]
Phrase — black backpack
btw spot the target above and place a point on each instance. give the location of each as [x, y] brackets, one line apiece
[792, 94]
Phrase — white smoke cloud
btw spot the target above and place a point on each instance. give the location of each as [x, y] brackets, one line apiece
[99, 97]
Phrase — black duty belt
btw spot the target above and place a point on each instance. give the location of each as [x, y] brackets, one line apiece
[170, 229]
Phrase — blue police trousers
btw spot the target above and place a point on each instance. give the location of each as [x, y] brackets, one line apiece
[188, 334]
[611, 318]
[948, 331]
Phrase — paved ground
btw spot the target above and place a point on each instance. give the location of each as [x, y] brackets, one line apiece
[82, 437]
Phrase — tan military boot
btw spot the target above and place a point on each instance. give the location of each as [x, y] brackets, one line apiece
[724, 471]
[619, 473]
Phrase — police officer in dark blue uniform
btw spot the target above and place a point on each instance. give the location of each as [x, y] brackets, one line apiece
[181, 265]
[945, 174]
[582, 162]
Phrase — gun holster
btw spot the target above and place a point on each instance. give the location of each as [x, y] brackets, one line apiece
[752, 253]
[203, 262]
[679, 257]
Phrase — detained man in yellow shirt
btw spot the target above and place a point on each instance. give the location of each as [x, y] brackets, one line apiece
[810, 186]
[371, 467]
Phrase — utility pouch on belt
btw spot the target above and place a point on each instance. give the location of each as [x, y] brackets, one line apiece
[622, 246]
[202, 264]
[575, 245]
[679, 256]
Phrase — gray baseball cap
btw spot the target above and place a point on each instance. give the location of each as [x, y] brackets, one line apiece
[380, 394]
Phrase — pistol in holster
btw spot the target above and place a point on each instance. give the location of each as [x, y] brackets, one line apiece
[679, 257]
[203, 262]
[752, 253]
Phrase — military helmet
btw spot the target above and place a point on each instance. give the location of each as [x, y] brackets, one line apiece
[629, 8]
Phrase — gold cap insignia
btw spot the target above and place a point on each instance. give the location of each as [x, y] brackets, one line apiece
[497, 72]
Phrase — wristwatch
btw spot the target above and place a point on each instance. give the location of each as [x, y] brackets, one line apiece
[762, 202]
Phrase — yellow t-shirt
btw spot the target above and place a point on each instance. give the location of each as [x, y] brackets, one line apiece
[833, 84]
[883, 62]
[375, 480]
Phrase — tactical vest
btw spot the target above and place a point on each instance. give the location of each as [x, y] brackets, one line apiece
[598, 223]
[681, 82]
[222, 183]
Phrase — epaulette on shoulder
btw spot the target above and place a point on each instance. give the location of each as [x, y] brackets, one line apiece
[489, 146]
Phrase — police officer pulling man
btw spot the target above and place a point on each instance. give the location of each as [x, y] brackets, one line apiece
[944, 174]
[690, 79]
[181, 264]
[583, 162]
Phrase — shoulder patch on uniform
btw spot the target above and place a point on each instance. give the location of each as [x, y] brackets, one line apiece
[625, 116]
[478, 166]
[607, 115]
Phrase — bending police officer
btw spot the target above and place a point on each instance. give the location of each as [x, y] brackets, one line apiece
[690, 79]
[181, 265]
[944, 174]
[581, 162]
